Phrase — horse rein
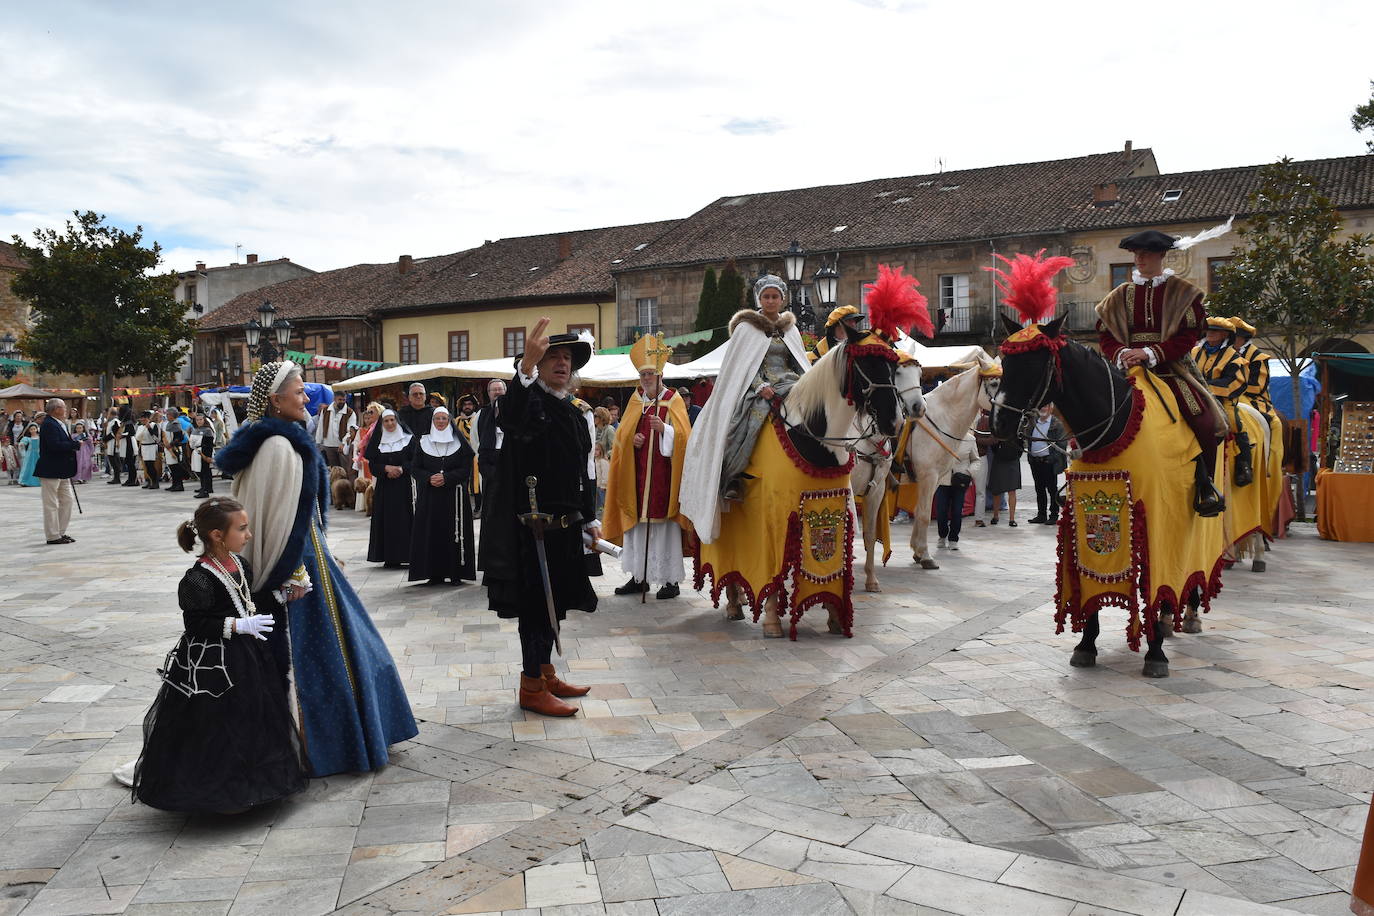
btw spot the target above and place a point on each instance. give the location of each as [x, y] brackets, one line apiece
[1028, 414]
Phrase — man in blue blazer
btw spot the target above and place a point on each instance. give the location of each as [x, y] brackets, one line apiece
[56, 467]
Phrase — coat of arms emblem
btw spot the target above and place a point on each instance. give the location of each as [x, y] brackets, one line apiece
[823, 528]
[1102, 522]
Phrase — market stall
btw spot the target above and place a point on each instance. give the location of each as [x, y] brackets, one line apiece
[1345, 484]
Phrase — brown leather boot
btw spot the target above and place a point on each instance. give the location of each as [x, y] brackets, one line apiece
[535, 696]
[559, 687]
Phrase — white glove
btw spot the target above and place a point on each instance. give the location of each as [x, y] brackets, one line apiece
[259, 625]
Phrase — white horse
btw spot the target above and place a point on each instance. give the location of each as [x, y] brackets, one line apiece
[951, 410]
[873, 467]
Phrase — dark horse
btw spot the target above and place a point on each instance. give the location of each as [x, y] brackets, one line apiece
[1103, 409]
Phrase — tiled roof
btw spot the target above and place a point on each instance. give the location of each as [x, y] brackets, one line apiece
[529, 267]
[915, 210]
[496, 272]
[9, 257]
[1001, 201]
[1219, 193]
[347, 292]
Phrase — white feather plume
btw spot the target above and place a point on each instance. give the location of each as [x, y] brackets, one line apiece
[1183, 243]
[584, 334]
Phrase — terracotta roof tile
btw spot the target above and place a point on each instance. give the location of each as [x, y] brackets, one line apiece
[530, 267]
[9, 257]
[915, 210]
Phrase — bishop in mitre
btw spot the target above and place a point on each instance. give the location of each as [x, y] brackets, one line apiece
[646, 471]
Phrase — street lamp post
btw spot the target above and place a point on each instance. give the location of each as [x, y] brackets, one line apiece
[794, 264]
[827, 284]
[267, 347]
[7, 351]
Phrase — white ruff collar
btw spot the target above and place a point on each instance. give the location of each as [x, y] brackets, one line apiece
[1139, 280]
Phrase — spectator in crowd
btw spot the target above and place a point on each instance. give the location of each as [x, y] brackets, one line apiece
[1048, 458]
[692, 409]
[415, 414]
[1005, 477]
[28, 455]
[85, 452]
[335, 432]
[604, 431]
[55, 468]
[9, 457]
[952, 489]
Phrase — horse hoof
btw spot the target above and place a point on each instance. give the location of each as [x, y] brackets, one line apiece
[872, 587]
[1258, 565]
[928, 563]
[1155, 669]
[1192, 625]
[734, 612]
[834, 626]
[772, 629]
[1082, 658]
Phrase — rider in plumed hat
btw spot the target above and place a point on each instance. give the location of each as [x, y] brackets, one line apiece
[1154, 320]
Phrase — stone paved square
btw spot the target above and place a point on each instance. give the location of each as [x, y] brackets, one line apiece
[945, 759]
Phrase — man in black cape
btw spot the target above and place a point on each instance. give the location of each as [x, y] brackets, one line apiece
[415, 415]
[548, 436]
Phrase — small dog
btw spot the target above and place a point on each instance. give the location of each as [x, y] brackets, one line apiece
[368, 494]
[340, 488]
[359, 488]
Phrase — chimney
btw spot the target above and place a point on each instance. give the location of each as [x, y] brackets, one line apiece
[1105, 195]
[200, 265]
[564, 247]
[1126, 156]
[252, 259]
[405, 263]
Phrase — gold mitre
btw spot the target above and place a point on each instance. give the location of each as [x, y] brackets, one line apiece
[650, 352]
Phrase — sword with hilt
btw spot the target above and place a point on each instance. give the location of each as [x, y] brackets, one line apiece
[537, 521]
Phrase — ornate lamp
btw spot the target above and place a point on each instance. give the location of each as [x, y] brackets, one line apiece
[794, 262]
[827, 284]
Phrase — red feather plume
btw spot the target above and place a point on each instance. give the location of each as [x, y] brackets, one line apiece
[894, 302]
[1028, 288]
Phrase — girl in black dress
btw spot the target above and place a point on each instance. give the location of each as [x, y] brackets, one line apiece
[388, 457]
[441, 543]
[219, 737]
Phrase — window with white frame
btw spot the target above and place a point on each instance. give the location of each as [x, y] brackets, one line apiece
[954, 303]
[647, 312]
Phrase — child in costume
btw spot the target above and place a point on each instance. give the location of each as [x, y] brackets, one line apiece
[219, 737]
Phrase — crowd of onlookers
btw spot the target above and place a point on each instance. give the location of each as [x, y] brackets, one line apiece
[149, 448]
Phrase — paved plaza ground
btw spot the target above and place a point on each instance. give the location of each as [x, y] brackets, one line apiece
[945, 759]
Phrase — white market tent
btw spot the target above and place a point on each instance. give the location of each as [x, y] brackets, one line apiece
[613, 370]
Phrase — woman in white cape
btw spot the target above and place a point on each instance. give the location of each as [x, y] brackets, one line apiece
[764, 357]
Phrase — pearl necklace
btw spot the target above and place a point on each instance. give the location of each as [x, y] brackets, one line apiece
[240, 586]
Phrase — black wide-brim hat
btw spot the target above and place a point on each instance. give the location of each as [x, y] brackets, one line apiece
[1149, 240]
[580, 346]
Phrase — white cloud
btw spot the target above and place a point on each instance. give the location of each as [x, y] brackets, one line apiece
[338, 133]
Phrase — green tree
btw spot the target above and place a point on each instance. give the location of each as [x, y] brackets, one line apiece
[706, 303]
[1296, 278]
[97, 305]
[1363, 118]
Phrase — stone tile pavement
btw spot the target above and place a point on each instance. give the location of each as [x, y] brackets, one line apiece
[945, 760]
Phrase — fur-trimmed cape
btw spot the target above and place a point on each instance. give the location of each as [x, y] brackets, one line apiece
[785, 322]
[276, 550]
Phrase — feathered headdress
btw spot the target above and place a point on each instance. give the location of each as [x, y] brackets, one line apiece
[894, 303]
[1027, 288]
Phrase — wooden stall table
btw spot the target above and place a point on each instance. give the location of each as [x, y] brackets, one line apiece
[1344, 506]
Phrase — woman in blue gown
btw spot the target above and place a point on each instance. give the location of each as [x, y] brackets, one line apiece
[346, 690]
[28, 456]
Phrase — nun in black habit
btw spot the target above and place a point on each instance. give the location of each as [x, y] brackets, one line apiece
[441, 542]
[388, 457]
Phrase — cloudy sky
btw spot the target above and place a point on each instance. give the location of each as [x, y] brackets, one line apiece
[335, 133]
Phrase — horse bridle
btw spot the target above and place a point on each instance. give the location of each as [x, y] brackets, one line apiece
[1026, 424]
[850, 443]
